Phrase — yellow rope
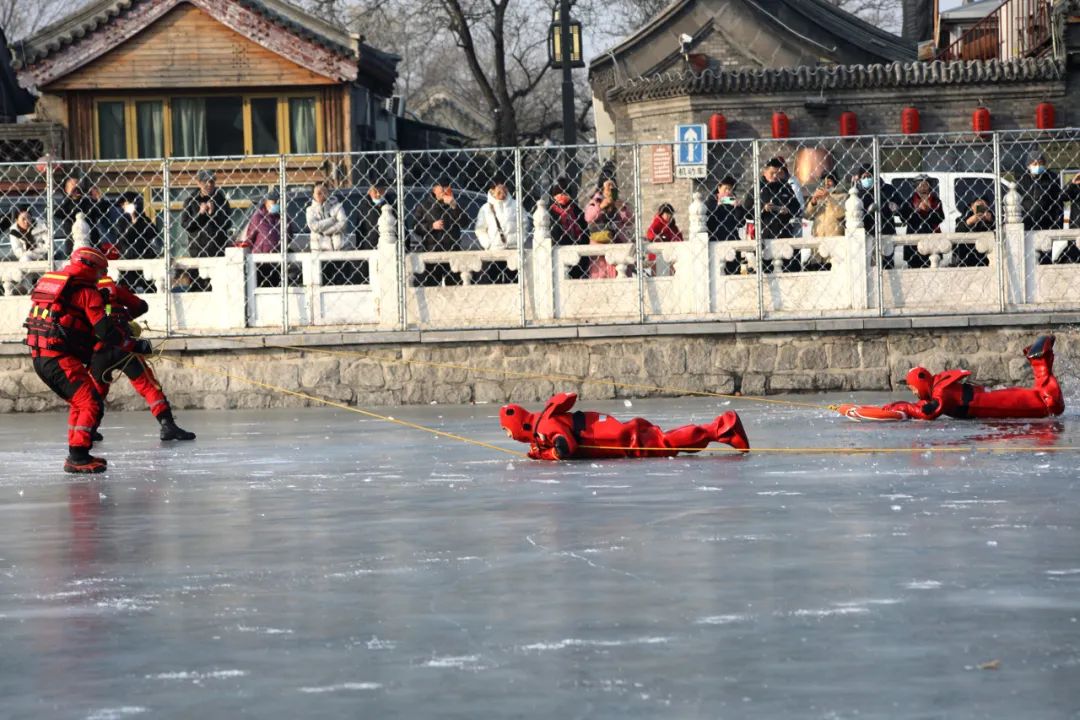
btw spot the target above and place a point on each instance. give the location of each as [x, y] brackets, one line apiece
[342, 406]
[849, 451]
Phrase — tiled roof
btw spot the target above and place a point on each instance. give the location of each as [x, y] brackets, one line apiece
[96, 15]
[838, 77]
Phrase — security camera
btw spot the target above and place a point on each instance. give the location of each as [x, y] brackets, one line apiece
[685, 41]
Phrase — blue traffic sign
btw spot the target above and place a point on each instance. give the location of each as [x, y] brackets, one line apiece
[690, 144]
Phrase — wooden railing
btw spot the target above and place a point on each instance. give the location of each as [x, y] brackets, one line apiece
[1017, 29]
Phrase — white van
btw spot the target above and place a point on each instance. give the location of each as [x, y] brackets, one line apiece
[956, 190]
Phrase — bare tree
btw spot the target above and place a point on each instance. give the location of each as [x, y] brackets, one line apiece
[22, 18]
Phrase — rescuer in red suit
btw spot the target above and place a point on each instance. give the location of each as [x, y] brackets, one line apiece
[124, 306]
[556, 433]
[66, 320]
[947, 394]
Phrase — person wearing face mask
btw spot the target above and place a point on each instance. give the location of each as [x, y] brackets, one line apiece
[137, 236]
[567, 220]
[1041, 196]
[890, 203]
[263, 234]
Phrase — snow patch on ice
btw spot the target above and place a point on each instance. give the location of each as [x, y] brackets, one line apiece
[195, 676]
[709, 488]
[459, 662]
[829, 612]
[923, 585]
[577, 642]
[785, 493]
[1059, 573]
[116, 713]
[722, 619]
[376, 644]
[263, 630]
[342, 686]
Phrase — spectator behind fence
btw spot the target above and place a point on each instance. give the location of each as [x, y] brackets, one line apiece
[663, 227]
[29, 236]
[80, 196]
[779, 206]
[567, 220]
[368, 213]
[497, 224]
[977, 219]
[826, 208]
[890, 203]
[206, 218]
[924, 216]
[1041, 196]
[136, 235]
[439, 220]
[609, 220]
[326, 220]
[726, 217]
[263, 233]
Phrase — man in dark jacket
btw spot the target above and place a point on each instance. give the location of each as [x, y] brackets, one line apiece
[206, 218]
[978, 219]
[368, 211]
[779, 206]
[90, 203]
[725, 217]
[136, 234]
[438, 220]
[890, 203]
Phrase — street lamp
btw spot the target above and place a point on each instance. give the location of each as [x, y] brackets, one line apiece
[564, 51]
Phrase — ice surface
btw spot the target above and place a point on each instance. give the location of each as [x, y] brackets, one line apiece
[315, 563]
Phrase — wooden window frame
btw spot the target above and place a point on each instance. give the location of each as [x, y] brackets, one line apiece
[131, 137]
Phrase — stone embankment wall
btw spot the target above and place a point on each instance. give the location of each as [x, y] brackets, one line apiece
[753, 364]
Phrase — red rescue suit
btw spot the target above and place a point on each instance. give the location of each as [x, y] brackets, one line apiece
[65, 322]
[947, 394]
[556, 433]
[124, 306]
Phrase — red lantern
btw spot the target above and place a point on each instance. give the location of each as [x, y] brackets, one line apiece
[781, 126]
[849, 123]
[1044, 116]
[909, 121]
[980, 120]
[717, 127]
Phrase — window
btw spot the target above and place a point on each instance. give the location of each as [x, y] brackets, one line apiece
[264, 126]
[112, 130]
[150, 128]
[302, 125]
[225, 125]
[184, 126]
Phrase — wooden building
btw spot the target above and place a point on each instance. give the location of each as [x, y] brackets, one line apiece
[132, 79]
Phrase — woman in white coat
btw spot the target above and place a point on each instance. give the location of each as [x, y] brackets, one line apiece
[497, 224]
[326, 220]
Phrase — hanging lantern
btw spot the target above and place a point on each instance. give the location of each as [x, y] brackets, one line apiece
[1044, 116]
[849, 123]
[556, 54]
[980, 120]
[781, 126]
[909, 121]
[717, 127]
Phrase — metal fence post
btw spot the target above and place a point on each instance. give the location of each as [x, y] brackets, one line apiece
[50, 191]
[755, 174]
[403, 280]
[639, 244]
[283, 226]
[520, 234]
[166, 242]
[878, 259]
[999, 229]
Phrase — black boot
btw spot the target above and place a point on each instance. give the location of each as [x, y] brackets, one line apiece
[96, 436]
[1042, 345]
[79, 460]
[170, 430]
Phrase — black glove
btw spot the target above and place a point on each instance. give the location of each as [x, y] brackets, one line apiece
[930, 407]
[142, 347]
[562, 447]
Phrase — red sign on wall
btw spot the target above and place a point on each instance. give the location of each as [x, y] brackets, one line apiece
[662, 160]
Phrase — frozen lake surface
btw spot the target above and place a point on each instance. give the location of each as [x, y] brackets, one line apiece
[314, 563]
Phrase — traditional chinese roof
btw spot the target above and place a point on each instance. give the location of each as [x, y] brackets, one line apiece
[839, 77]
[96, 15]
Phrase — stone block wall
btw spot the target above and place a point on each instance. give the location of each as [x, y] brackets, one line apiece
[601, 368]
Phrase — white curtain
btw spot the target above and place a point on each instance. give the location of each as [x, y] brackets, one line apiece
[150, 127]
[189, 127]
[302, 125]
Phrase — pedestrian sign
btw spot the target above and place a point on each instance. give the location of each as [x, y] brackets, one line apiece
[691, 144]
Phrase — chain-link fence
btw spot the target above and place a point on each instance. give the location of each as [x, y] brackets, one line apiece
[537, 236]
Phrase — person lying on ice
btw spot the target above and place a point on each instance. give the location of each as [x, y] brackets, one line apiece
[556, 433]
[948, 393]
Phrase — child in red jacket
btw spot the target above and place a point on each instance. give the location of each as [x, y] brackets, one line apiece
[556, 433]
